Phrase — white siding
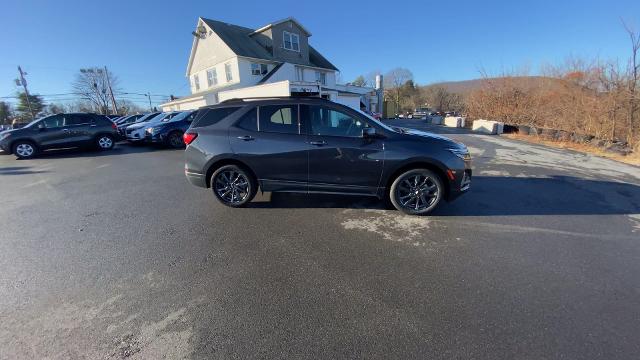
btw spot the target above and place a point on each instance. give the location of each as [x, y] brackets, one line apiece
[264, 90]
[208, 52]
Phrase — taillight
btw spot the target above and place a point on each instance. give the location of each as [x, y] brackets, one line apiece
[188, 137]
[114, 126]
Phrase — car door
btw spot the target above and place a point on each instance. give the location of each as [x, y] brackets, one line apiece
[51, 131]
[79, 128]
[269, 140]
[340, 158]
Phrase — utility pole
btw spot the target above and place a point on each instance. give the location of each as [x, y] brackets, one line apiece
[23, 82]
[149, 96]
[113, 100]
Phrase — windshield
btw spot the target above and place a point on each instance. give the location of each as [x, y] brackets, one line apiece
[146, 117]
[170, 116]
[377, 122]
[151, 118]
[177, 117]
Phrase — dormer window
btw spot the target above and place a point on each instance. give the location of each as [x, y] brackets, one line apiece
[291, 41]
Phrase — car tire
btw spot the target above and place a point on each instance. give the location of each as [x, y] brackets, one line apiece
[24, 149]
[175, 140]
[233, 185]
[105, 142]
[416, 191]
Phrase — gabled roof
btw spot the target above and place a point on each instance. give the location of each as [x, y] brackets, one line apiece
[239, 40]
[268, 26]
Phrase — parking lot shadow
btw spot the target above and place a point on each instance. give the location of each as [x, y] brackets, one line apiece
[19, 170]
[293, 200]
[556, 195]
[496, 196]
[119, 149]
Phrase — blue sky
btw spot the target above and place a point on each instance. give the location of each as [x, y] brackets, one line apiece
[147, 43]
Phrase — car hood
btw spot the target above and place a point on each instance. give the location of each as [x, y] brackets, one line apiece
[137, 126]
[424, 134]
[11, 131]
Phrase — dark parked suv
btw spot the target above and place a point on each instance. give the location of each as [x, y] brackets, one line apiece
[59, 131]
[311, 145]
[170, 131]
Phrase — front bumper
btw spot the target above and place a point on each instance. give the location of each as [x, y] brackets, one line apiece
[4, 145]
[460, 184]
[136, 136]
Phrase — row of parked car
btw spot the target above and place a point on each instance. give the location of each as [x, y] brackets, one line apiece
[164, 128]
[98, 131]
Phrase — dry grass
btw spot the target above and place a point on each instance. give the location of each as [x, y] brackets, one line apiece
[632, 159]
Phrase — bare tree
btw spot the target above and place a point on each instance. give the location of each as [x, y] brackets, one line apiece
[92, 84]
[439, 98]
[633, 78]
[393, 81]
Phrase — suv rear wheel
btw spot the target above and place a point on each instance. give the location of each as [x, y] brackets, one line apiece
[416, 192]
[233, 186]
[175, 140]
[104, 142]
[24, 149]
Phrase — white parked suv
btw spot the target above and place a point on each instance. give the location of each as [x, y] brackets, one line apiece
[136, 131]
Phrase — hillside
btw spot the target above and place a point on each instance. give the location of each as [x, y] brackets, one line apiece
[466, 86]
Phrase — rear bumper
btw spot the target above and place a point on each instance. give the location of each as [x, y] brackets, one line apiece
[195, 178]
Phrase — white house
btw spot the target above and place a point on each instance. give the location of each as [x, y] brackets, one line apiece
[229, 61]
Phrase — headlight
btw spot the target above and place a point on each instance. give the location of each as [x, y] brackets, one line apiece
[462, 153]
[4, 136]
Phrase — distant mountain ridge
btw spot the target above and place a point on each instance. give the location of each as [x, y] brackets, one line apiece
[464, 87]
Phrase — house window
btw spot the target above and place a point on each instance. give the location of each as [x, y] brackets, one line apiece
[212, 77]
[321, 77]
[196, 82]
[299, 73]
[291, 41]
[258, 69]
[227, 71]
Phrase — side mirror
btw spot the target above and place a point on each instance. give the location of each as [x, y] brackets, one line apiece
[369, 133]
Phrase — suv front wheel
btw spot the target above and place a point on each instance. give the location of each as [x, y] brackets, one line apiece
[24, 149]
[416, 192]
[233, 186]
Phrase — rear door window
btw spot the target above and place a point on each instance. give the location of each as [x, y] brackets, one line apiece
[279, 119]
[77, 119]
[211, 116]
[249, 121]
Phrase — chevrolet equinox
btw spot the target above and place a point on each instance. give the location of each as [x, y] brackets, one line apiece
[312, 145]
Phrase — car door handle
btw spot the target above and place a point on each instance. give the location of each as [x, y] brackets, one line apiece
[65, 130]
[318, 143]
[246, 138]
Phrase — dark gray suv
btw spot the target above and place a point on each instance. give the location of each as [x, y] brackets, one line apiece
[311, 145]
[59, 131]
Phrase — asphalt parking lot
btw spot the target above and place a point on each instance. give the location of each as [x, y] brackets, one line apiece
[116, 255]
